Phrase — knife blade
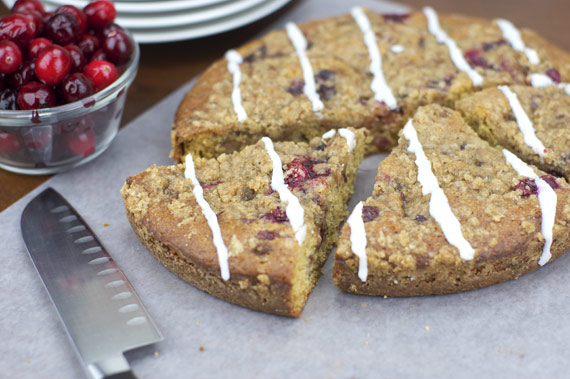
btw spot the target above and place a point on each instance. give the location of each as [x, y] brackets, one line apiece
[99, 308]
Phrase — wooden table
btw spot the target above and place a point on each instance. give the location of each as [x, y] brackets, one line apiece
[164, 67]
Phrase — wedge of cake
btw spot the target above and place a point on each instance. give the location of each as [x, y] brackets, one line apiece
[253, 227]
[533, 123]
[450, 213]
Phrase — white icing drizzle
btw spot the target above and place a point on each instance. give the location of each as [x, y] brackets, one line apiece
[454, 51]
[294, 210]
[358, 240]
[524, 123]
[347, 134]
[397, 49]
[439, 207]
[542, 80]
[546, 199]
[378, 85]
[300, 44]
[234, 60]
[512, 34]
[211, 218]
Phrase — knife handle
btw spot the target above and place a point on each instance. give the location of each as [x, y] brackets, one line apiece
[113, 367]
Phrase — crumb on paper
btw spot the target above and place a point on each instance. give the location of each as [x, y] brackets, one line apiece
[385, 297]
[306, 318]
[156, 354]
[368, 335]
[366, 343]
[363, 305]
[197, 322]
[202, 348]
[105, 224]
[28, 362]
[427, 328]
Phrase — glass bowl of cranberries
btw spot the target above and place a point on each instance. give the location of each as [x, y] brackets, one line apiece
[64, 76]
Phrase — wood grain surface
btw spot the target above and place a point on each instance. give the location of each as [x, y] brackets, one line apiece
[164, 67]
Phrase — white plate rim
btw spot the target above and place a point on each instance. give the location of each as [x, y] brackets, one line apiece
[147, 6]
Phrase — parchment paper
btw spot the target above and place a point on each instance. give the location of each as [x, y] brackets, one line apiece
[518, 329]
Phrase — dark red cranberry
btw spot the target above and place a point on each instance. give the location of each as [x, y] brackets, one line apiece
[37, 45]
[369, 213]
[101, 73]
[110, 28]
[62, 29]
[267, 235]
[302, 169]
[8, 143]
[36, 95]
[76, 87]
[277, 215]
[296, 87]
[554, 75]
[474, 58]
[260, 53]
[77, 59]
[8, 99]
[89, 44]
[28, 5]
[77, 13]
[118, 46]
[100, 13]
[53, 64]
[81, 142]
[551, 181]
[491, 45]
[18, 28]
[10, 57]
[527, 187]
[24, 75]
[37, 19]
[421, 218]
[209, 185]
[326, 92]
[99, 55]
[395, 17]
[324, 75]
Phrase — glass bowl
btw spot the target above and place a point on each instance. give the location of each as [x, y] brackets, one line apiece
[52, 140]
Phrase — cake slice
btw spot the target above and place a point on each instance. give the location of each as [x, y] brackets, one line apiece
[533, 123]
[470, 216]
[253, 227]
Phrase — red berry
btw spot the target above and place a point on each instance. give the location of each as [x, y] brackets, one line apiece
[24, 75]
[101, 73]
[10, 57]
[36, 18]
[53, 64]
[18, 28]
[78, 14]
[35, 95]
[81, 142]
[8, 143]
[28, 5]
[99, 55]
[118, 46]
[100, 13]
[36, 46]
[554, 74]
[62, 29]
[89, 44]
[76, 87]
[77, 59]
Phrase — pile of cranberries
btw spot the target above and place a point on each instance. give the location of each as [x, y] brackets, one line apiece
[54, 58]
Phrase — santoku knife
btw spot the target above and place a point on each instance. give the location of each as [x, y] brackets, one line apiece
[101, 312]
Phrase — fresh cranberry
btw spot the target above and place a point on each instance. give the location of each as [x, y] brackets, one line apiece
[551, 181]
[474, 58]
[36, 46]
[24, 75]
[300, 170]
[277, 215]
[296, 87]
[101, 73]
[324, 75]
[77, 13]
[8, 99]
[100, 13]
[28, 5]
[36, 19]
[99, 55]
[8, 143]
[554, 75]
[10, 57]
[89, 44]
[76, 87]
[53, 64]
[110, 28]
[395, 17]
[267, 235]
[77, 59]
[81, 142]
[62, 29]
[527, 187]
[369, 213]
[35, 95]
[118, 46]
[17, 28]
[326, 92]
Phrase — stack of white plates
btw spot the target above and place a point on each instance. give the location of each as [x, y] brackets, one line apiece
[173, 20]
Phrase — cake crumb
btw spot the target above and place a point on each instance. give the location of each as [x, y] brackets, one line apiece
[28, 362]
[202, 348]
[385, 297]
[427, 328]
[105, 224]
[156, 354]
[197, 322]
[363, 305]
